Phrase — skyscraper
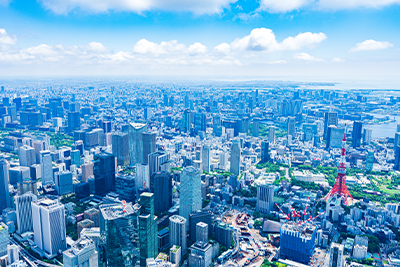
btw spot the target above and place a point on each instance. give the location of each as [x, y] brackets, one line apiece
[148, 228]
[4, 193]
[23, 208]
[205, 158]
[187, 120]
[136, 142]
[74, 121]
[265, 198]
[265, 151]
[291, 126]
[48, 218]
[201, 232]
[256, 128]
[177, 232]
[367, 136]
[46, 167]
[235, 157]
[357, 134]
[331, 118]
[156, 160]
[190, 192]
[142, 176]
[27, 156]
[336, 255]
[162, 191]
[119, 235]
[200, 122]
[81, 254]
[63, 182]
[195, 218]
[4, 239]
[120, 148]
[271, 135]
[104, 173]
[149, 146]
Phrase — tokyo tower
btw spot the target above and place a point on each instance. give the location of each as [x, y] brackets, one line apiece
[340, 187]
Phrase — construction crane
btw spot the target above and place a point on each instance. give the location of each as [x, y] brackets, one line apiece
[287, 217]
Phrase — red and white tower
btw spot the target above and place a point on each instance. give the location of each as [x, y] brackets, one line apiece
[340, 187]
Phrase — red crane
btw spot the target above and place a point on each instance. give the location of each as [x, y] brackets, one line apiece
[287, 217]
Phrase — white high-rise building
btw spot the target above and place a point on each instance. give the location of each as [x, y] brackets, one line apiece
[13, 254]
[271, 135]
[46, 167]
[205, 159]
[48, 218]
[265, 198]
[23, 208]
[367, 136]
[177, 232]
[190, 198]
[202, 232]
[27, 156]
[4, 239]
[235, 157]
[142, 176]
[336, 255]
[81, 254]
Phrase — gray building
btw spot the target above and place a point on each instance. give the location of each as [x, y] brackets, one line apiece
[136, 142]
[120, 148]
[4, 193]
[190, 198]
[23, 209]
[235, 157]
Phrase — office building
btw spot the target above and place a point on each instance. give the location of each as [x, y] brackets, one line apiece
[205, 159]
[4, 193]
[76, 158]
[369, 162]
[46, 167]
[19, 174]
[136, 142]
[202, 250]
[86, 223]
[175, 254]
[48, 218]
[367, 136]
[148, 224]
[74, 121]
[4, 239]
[177, 232]
[331, 118]
[27, 156]
[120, 148]
[256, 128]
[63, 183]
[163, 239]
[104, 173]
[235, 157]
[202, 232]
[357, 134]
[334, 137]
[264, 152]
[162, 191]
[223, 234]
[336, 255]
[265, 198]
[190, 197]
[200, 122]
[291, 126]
[93, 215]
[297, 242]
[119, 231]
[87, 171]
[23, 210]
[195, 218]
[149, 146]
[125, 187]
[13, 255]
[271, 134]
[81, 254]
[157, 160]
[142, 176]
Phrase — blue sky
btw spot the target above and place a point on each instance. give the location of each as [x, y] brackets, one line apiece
[287, 39]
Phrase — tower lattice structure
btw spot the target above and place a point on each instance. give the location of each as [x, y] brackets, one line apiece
[340, 187]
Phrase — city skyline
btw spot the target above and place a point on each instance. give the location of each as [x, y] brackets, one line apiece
[298, 40]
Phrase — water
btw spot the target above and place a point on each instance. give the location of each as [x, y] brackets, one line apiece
[383, 130]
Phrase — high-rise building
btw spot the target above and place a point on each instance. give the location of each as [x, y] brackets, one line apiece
[48, 218]
[205, 158]
[119, 235]
[265, 198]
[334, 137]
[19, 174]
[142, 176]
[93, 215]
[256, 128]
[4, 192]
[12, 255]
[200, 122]
[367, 136]
[148, 228]
[223, 234]
[85, 223]
[46, 167]
[81, 254]
[331, 118]
[369, 162]
[87, 171]
[120, 148]
[4, 239]
[149, 146]
[357, 134]
[23, 209]
[297, 242]
[195, 218]
[265, 151]
[162, 191]
[187, 120]
[27, 156]
[136, 142]
[271, 134]
[190, 198]
[291, 126]
[336, 255]
[74, 121]
[76, 158]
[156, 162]
[177, 232]
[235, 157]
[63, 182]
[104, 173]
[201, 254]
[125, 187]
[397, 158]
[202, 232]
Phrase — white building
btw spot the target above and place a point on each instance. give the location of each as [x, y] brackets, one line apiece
[142, 176]
[359, 252]
[265, 198]
[190, 198]
[307, 176]
[177, 232]
[336, 255]
[175, 254]
[81, 254]
[202, 232]
[23, 209]
[27, 156]
[46, 167]
[49, 226]
[13, 254]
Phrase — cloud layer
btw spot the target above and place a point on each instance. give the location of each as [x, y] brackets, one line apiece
[370, 45]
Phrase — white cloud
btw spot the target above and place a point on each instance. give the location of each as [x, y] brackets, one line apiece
[197, 49]
[350, 4]
[262, 39]
[5, 39]
[278, 62]
[278, 6]
[137, 6]
[337, 60]
[223, 48]
[369, 45]
[144, 46]
[307, 57]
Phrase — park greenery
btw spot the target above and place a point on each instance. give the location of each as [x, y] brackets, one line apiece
[264, 131]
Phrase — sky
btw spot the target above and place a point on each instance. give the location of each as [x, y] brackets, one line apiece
[314, 40]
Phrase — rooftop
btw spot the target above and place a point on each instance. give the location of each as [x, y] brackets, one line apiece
[78, 246]
[115, 210]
